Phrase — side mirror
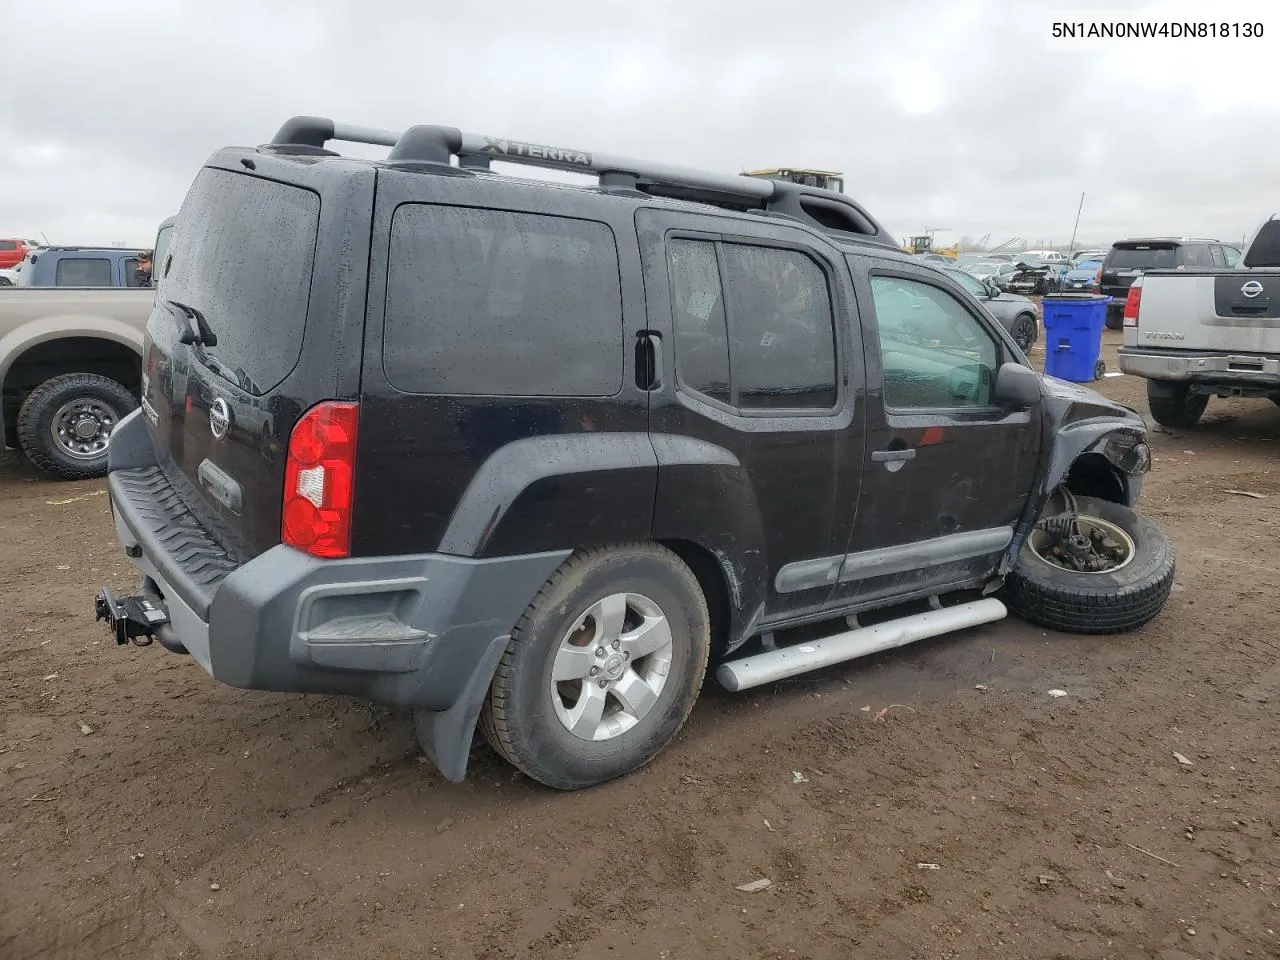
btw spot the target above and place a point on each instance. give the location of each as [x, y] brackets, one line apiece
[1017, 387]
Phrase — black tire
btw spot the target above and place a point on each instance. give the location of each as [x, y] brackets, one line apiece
[1173, 404]
[42, 405]
[1096, 603]
[519, 717]
[1025, 331]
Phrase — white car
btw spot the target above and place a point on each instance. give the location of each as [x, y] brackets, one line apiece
[9, 277]
[1045, 256]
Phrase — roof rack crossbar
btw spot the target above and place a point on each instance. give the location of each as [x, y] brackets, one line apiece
[826, 209]
[431, 144]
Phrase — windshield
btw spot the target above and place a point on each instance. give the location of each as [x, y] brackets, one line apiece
[1143, 257]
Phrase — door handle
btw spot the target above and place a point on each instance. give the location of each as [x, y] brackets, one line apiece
[893, 456]
[649, 360]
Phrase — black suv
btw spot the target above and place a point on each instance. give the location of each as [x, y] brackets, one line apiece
[1129, 259]
[528, 456]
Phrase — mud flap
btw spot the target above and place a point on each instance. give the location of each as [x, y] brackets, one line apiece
[445, 735]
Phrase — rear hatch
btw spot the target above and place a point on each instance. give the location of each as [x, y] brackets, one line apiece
[1127, 261]
[222, 386]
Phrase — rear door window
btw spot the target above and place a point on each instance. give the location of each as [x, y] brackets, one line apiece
[82, 272]
[1142, 257]
[8, 245]
[244, 259]
[490, 302]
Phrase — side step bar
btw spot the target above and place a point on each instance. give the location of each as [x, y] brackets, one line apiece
[784, 662]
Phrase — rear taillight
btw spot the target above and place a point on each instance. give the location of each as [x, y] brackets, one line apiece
[1097, 277]
[1132, 303]
[318, 480]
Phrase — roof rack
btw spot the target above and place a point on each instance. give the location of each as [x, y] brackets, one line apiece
[825, 209]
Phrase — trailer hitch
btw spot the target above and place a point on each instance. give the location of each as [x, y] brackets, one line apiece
[130, 619]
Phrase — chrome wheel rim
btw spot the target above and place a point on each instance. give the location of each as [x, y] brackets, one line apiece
[81, 428]
[1041, 544]
[611, 667]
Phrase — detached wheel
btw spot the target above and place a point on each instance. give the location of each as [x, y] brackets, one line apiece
[1025, 331]
[65, 424]
[1116, 578]
[1174, 405]
[602, 669]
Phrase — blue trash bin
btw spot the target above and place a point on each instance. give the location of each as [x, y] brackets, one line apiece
[1073, 324]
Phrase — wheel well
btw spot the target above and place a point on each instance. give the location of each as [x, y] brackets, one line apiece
[53, 358]
[711, 579]
[1092, 475]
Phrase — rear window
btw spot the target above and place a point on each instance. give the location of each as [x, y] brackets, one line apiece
[1142, 257]
[243, 258]
[492, 302]
[1264, 251]
[8, 245]
[82, 272]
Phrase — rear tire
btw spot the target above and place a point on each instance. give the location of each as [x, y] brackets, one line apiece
[620, 600]
[1173, 404]
[65, 424]
[1096, 603]
[1115, 319]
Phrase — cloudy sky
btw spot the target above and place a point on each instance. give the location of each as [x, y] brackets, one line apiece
[961, 115]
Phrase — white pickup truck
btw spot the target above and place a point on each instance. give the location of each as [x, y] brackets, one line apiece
[1195, 334]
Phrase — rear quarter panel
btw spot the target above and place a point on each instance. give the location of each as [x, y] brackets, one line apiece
[32, 315]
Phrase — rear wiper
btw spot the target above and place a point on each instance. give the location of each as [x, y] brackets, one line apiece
[202, 334]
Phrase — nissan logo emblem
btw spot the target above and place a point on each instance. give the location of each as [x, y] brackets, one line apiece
[1252, 289]
[219, 418]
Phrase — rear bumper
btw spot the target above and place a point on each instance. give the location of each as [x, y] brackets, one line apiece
[1202, 367]
[423, 631]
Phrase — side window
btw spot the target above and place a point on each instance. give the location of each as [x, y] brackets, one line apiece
[972, 284]
[1218, 259]
[129, 266]
[82, 272]
[782, 331]
[935, 354]
[1231, 255]
[498, 303]
[702, 338]
[1197, 255]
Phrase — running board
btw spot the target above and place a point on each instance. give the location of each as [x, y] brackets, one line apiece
[784, 662]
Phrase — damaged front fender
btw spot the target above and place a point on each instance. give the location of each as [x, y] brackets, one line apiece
[1084, 428]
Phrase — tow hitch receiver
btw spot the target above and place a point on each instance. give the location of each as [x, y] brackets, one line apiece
[130, 618]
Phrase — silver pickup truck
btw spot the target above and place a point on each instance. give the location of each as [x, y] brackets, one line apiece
[70, 368]
[1196, 334]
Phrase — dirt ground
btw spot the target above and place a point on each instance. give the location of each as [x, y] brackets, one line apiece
[900, 809]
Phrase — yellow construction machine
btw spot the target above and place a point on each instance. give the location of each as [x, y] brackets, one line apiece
[924, 244]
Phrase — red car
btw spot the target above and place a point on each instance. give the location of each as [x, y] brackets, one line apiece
[13, 252]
